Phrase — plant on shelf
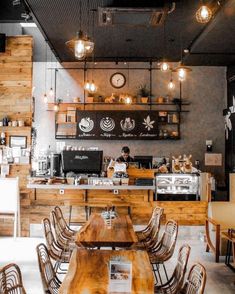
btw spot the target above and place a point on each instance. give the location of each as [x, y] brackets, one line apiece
[144, 93]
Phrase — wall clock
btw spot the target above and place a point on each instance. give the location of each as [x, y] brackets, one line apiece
[117, 80]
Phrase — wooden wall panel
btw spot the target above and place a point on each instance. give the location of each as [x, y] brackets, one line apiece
[16, 103]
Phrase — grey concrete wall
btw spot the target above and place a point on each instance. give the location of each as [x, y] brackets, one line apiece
[205, 88]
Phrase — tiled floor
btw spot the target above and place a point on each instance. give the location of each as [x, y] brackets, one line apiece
[22, 251]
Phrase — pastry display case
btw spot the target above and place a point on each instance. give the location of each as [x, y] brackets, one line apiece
[177, 187]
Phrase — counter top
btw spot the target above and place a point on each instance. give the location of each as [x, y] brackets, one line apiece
[89, 187]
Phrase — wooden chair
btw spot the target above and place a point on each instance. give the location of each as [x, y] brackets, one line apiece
[11, 280]
[175, 283]
[56, 253]
[196, 281]
[145, 233]
[220, 219]
[50, 281]
[151, 235]
[66, 231]
[9, 202]
[62, 240]
[164, 249]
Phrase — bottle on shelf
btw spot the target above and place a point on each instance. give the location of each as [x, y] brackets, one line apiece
[3, 139]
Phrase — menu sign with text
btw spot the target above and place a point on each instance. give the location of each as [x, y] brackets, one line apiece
[117, 125]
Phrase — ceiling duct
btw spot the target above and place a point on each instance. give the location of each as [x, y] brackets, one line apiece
[127, 16]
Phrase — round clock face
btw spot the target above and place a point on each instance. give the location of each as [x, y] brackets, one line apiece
[118, 80]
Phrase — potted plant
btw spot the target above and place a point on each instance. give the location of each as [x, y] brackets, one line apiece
[144, 93]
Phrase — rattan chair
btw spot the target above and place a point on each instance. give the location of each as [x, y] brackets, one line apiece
[196, 281]
[164, 249]
[145, 233]
[63, 242]
[56, 253]
[11, 280]
[66, 231]
[174, 284]
[151, 235]
[50, 281]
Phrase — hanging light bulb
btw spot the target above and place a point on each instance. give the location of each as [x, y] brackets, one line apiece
[79, 46]
[56, 107]
[181, 74]
[93, 87]
[203, 14]
[51, 92]
[165, 66]
[171, 85]
[87, 86]
[45, 98]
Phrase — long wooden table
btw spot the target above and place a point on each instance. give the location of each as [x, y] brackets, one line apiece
[89, 272]
[96, 233]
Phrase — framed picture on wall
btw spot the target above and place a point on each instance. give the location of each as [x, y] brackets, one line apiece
[18, 141]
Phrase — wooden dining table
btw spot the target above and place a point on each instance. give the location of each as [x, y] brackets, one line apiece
[97, 233]
[88, 272]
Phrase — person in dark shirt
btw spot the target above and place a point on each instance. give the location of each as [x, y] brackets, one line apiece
[125, 157]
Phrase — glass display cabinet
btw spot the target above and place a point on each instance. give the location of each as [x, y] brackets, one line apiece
[181, 187]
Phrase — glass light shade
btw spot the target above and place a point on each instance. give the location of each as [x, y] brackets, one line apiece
[171, 85]
[51, 92]
[87, 86]
[56, 107]
[89, 46]
[203, 14]
[79, 49]
[93, 87]
[165, 66]
[45, 98]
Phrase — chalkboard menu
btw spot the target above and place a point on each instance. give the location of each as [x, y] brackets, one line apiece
[117, 125]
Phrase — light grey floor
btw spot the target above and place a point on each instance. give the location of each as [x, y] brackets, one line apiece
[220, 279]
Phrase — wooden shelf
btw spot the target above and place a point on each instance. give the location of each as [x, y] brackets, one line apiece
[7, 128]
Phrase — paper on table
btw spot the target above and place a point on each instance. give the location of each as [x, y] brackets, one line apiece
[120, 276]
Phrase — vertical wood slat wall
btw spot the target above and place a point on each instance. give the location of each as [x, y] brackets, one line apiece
[16, 103]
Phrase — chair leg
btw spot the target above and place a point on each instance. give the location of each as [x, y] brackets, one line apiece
[154, 272]
[165, 272]
[158, 270]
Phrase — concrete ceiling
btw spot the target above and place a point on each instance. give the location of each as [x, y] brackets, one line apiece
[58, 20]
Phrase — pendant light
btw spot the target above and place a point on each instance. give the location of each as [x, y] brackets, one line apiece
[164, 65]
[51, 91]
[92, 88]
[81, 45]
[45, 98]
[203, 14]
[171, 84]
[181, 70]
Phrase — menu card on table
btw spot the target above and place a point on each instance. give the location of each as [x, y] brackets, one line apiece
[120, 276]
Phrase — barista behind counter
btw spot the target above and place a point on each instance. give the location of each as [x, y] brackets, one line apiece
[125, 155]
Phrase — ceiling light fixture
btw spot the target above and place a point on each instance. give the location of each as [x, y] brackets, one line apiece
[81, 45]
[164, 66]
[182, 72]
[171, 84]
[45, 98]
[203, 14]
